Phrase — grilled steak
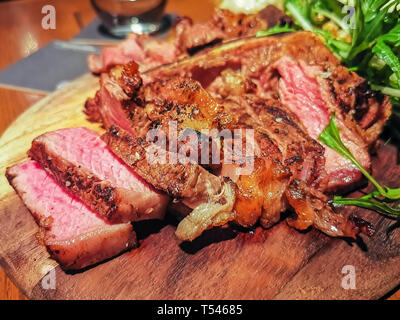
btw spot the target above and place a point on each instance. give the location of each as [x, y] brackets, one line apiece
[211, 197]
[79, 160]
[301, 92]
[188, 38]
[147, 51]
[74, 235]
[302, 156]
[117, 103]
[288, 164]
[278, 66]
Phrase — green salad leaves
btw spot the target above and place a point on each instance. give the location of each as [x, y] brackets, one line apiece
[363, 34]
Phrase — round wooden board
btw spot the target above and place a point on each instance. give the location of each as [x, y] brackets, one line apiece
[60, 109]
[222, 264]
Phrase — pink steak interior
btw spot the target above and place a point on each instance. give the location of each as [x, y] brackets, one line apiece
[45, 198]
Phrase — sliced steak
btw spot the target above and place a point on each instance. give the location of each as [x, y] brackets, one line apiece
[211, 197]
[300, 90]
[302, 73]
[285, 157]
[148, 51]
[74, 235]
[117, 101]
[304, 159]
[79, 160]
[188, 38]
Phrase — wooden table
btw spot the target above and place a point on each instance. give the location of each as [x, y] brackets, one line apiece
[22, 34]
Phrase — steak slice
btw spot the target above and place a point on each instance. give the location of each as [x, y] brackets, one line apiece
[79, 160]
[188, 38]
[147, 51]
[74, 235]
[301, 72]
[303, 156]
[300, 90]
[117, 101]
[211, 197]
[281, 157]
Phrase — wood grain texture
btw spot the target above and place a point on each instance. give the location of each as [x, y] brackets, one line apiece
[279, 263]
[21, 34]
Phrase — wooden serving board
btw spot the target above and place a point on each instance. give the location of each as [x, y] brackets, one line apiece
[280, 263]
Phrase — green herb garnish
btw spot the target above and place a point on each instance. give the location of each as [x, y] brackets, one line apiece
[275, 30]
[377, 200]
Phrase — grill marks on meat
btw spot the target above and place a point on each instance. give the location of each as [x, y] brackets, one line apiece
[303, 157]
[117, 102]
[300, 90]
[287, 161]
[74, 235]
[79, 160]
[211, 197]
[187, 103]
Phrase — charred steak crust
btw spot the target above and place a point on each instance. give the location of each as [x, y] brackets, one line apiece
[115, 204]
[362, 108]
[189, 182]
[101, 196]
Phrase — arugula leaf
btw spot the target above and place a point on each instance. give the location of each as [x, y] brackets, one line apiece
[299, 10]
[372, 48]
[331, 138]
[370, 204]
[384, 52]
[275, 30]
